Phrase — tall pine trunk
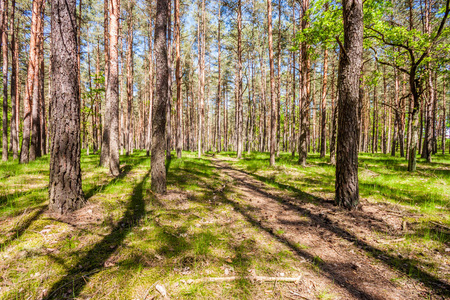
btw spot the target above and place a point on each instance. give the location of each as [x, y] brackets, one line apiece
[347, 189]
[158, 169]
[65, 189]
[32, 74]
[112, 90]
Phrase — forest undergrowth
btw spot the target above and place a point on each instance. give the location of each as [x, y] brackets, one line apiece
[126, 241]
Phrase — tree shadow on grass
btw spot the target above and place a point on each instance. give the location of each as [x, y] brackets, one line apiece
[409, 267]
[19, 231]
[5, 199]
[92, 262]
[131, 163]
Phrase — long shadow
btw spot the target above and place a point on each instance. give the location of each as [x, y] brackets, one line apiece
[91, 263]
[407, 266]
[23, 227]
[5, 199]
[123, 173]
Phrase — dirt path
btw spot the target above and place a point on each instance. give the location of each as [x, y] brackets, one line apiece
[329, 239]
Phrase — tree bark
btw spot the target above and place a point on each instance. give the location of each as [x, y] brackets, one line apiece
[219, 83]
[104, 154]
[150, 88]
[334, 113]
[32, 74]
[4, 37]
[14, 85]
[323, 140]
[273, 105]
[304, 109]
[112, 90]
[158, 170]
[128, 141]
[179, 137]
[65, 189]
[347, 189]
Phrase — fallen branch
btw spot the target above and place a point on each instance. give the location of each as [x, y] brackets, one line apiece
[252, 278]
[442, 226]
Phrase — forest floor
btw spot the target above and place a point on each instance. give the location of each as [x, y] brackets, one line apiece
[261, 232]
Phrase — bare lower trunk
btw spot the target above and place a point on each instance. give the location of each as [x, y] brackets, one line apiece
[14, 87]
[4, 37]
[65, 189]
[112, 91]
[158, 170]
[347, 189]
[27, 154]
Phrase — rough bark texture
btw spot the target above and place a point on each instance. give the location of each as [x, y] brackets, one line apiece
[158, 170]
[150, 88]
[65, 189]
[112, 91]
[305, 86]
[104, 154]
[179, 138]
[31, 79]
[239, 106]
[273, 105]
[14, 87]
[323, 138]
[4, 37]
[347, 190]
[128, 141]
[219, 85]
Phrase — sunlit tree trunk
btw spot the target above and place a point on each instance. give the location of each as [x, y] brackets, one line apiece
[305, 86]
[104, 154]
[273, 105]
[323, 138]
[14, 85]
[158, 169]
[112, 90]
[179, 137]
[32, 74]
[4, 36]
[128, 141]
[347, 189]
[65, 191]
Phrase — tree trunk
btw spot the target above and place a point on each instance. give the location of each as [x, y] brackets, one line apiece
[14, 85]
[201, 54]
[444, 127]
[273, 106]
[179, 122]
[158, 169]
[150, 88]
[304, 109]
[112, 90]
[128, 141]
[65, 191]
[219, 83]
[323, 140]
[104, 154]
[239, 108]
[347, 189]
[32, 75]
[334, 113]
[169, 88]
[4, 37]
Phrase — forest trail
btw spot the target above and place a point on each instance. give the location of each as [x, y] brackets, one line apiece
[326, 237]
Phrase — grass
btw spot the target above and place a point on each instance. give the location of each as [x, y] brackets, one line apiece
[127, 240]
[384, 181]
[381, 178]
